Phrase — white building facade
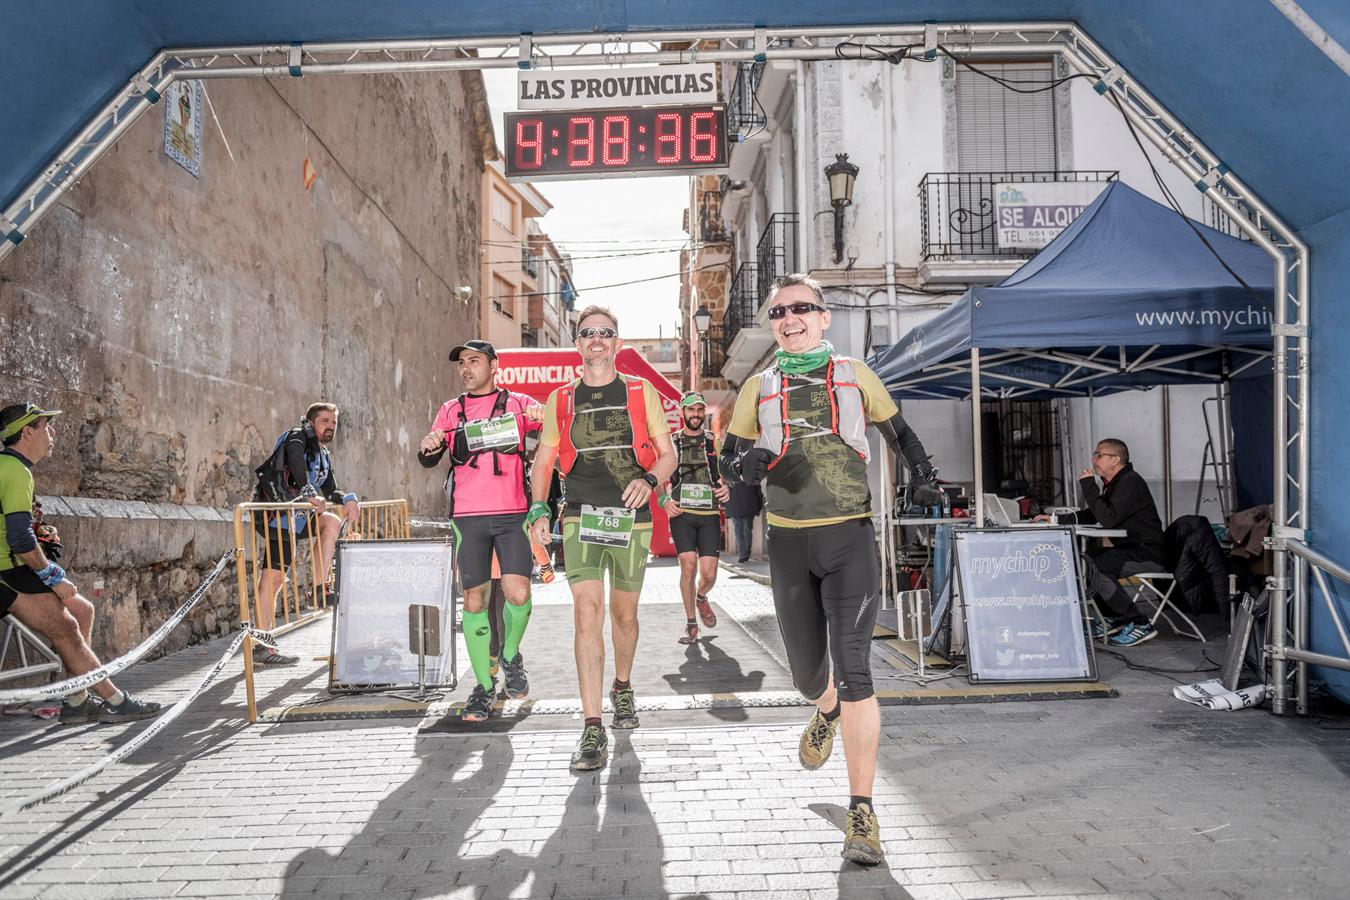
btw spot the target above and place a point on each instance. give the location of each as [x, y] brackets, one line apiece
[930, 140]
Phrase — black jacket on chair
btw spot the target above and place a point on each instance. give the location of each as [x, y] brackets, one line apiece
[1194, 557]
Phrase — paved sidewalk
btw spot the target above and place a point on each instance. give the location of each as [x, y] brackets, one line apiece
[1140, 796]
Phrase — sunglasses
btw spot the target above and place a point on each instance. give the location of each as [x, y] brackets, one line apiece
[586, 334]
[798, 309]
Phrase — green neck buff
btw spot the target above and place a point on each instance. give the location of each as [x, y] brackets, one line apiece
[801, 363]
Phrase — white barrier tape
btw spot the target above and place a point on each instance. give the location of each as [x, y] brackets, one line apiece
[136, 743]
[107, 670]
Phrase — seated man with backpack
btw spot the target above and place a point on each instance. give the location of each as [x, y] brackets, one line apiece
[299, 469]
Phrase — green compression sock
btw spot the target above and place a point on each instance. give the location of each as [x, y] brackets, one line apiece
[517, 617]
[477, 636]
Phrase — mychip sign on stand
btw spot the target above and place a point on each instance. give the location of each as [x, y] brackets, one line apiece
[1023, 610]
[381, 584]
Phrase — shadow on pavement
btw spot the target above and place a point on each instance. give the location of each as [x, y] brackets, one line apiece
[707, 668]
[854, 879]
[427, 835]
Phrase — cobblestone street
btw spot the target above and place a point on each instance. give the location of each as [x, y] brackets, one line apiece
[1135, 796]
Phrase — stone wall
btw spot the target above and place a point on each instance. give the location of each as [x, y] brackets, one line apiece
[182, 323]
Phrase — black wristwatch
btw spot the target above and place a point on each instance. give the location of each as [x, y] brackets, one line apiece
[650, 479]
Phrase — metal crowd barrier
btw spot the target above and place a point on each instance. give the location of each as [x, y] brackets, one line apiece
[304, 589]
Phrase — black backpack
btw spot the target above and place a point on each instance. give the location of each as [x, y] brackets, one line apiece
[275, 482]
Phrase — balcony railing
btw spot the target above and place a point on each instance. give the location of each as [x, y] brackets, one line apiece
[776, 253]
[743, 113]
[742, 304]
[957, 212]
[714, 353]
[710, 227]
[529, 262]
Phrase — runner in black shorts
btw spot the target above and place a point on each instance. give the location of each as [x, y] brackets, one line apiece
[806, 418]
[484, 431]
[694, 506]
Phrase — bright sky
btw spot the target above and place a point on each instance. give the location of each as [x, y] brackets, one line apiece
[598, 219]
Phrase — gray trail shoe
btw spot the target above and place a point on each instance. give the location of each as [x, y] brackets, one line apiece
[625, 708]
[79, 714]
[516, 683]
[129, 710]
[267, 656]
[479, 706]
[592, 749]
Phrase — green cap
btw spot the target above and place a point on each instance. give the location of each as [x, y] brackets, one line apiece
[692, 397]
[14, 419]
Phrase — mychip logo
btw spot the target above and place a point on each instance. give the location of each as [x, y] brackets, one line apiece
[1044, 562]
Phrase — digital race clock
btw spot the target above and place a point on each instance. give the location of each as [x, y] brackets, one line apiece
[595, 143]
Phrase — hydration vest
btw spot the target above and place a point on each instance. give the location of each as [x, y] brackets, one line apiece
[847, 420]
[565, 412]
[459, 449]
[686, 470]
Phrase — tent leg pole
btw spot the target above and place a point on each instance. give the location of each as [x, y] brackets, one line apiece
[1167, 453]
[976, 435]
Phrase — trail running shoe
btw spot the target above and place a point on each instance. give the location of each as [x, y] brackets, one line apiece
[690, 634]
[129, 710]
[817, 741]
[479, 706]
[78, 714]
[268, 656]
[862, 837]
[1102, 631]
[517, 684]
[625, 708]
[705, 612]
[1133, 634]
[591, 750]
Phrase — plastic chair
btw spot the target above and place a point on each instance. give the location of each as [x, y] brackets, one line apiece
[1147, 587]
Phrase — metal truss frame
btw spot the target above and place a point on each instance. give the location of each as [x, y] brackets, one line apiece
[1288, 584]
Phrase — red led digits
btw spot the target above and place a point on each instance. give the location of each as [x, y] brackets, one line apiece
[581, 134]
[529, 150]
[703, 130]
[614, 151]
[668, 138]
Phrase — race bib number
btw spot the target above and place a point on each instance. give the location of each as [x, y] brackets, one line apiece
[696, 496]
[608, 525]
[492, 434]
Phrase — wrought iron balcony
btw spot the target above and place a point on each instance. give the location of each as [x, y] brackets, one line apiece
[714, 354]
[743, 112]
[775, 254]
[957, 212]
[742, 304]
[710, 227]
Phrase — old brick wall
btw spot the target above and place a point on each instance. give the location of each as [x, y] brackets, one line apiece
[182, 323]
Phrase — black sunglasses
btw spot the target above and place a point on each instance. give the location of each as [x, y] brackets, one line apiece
[798, 309]
[588, 333]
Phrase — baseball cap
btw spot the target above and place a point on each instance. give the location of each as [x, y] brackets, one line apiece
[484, 347]
[692, 397]
[15, 418]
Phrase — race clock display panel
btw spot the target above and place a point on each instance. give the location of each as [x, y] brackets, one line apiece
[596, 143]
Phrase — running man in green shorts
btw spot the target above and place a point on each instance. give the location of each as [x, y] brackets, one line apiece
[609, 436]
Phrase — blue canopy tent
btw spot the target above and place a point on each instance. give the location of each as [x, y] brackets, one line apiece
[1126, 297]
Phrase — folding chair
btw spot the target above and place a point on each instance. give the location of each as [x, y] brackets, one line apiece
[1147, 588]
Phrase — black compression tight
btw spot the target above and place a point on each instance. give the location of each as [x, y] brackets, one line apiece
[825, 586]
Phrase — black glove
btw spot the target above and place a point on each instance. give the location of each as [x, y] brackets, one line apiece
[924, 489]
[754, 465]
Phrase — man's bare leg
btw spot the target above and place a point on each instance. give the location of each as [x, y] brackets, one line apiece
[588, 616]
[48, 616]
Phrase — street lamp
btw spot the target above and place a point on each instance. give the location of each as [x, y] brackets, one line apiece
[702, 322]
[841, 174]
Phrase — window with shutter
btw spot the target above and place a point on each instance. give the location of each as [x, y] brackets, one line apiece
[1000, 130]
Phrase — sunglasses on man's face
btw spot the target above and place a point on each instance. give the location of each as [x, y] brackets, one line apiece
[585, 334]
[798, 309]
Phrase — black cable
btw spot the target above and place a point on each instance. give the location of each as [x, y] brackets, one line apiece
[1176, 208]
[1159, 670]
[1009, 83]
